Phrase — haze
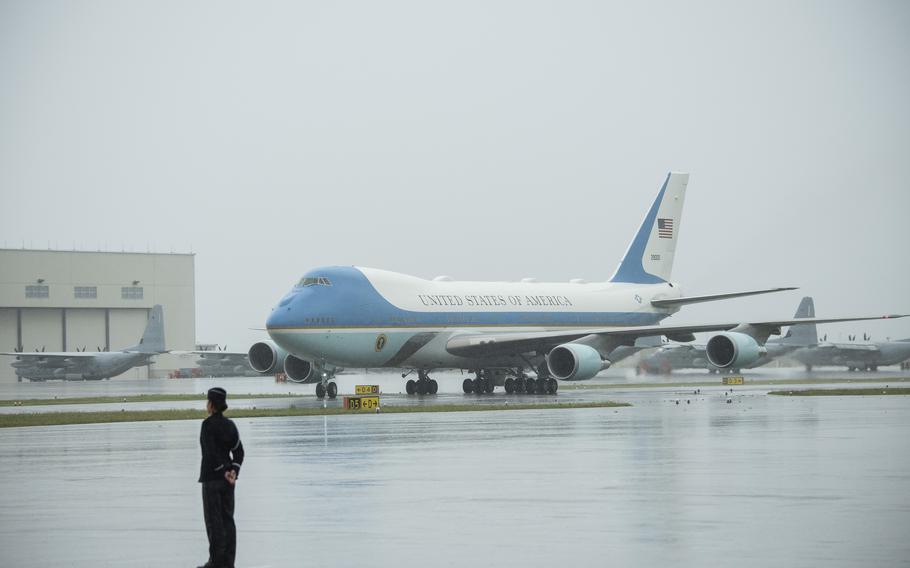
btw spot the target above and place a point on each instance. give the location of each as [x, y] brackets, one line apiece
[482, 140]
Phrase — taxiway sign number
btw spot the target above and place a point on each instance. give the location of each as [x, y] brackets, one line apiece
[361, 403]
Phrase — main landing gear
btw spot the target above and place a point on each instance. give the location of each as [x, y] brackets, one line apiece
[326, 388]
[483, 383]
[529, 385]
[486, 380]
[423, 385]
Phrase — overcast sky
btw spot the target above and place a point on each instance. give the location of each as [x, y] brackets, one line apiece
[483, 140]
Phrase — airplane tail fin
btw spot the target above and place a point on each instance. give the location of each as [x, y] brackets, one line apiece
[153, 338]
[803, 333]
[649, 258]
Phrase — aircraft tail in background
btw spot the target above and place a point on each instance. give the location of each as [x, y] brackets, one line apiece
[153, 337]
[803, 333]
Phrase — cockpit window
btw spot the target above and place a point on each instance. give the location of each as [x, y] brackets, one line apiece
[314, 281]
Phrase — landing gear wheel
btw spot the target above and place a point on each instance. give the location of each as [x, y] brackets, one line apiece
[467, 386]
[488, 385]
[530, 385]
[510, 385]
[552, 386]
[541, 385]
[432, 387]
[520, 385]
[332, 390]
[320, 390]
[421, 387]
[478, 386]
[411, 386]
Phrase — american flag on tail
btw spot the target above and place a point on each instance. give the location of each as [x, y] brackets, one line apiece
[665, 228]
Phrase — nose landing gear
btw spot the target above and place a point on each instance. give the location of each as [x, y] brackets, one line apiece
[326, 387]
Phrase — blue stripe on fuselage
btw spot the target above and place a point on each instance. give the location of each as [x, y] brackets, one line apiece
[352, 301]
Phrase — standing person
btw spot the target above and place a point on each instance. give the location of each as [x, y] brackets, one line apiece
[222, 456]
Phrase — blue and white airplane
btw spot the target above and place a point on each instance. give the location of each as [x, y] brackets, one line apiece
[342, 316]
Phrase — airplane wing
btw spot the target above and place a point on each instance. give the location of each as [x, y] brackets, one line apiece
[674, 302]
[225, 355]
[209, 352]
[851, 347]
[49, 360]
[49, 354]
[510, 343]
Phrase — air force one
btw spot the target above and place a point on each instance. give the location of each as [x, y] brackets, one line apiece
[344, 316]
[84, 366]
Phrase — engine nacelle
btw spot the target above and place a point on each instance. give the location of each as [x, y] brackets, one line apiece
[575, 362]
[732, 349]
[300, 370]
[266, 357]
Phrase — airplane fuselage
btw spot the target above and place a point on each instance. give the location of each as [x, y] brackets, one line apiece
[361, 317]
[98, 366]
[855, 355]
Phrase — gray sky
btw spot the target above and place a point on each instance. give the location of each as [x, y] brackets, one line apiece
[484, 140]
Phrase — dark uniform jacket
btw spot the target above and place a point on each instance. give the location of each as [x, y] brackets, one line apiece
[221, 447]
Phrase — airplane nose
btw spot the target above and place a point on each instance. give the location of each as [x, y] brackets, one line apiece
[278, 318]
[282, 314]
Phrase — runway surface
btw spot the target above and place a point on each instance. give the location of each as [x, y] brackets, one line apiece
[392, 387]
[758, 481]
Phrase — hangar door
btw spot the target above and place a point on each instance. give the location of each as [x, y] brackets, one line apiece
[9, 339]
[85, 328]
[42, 328]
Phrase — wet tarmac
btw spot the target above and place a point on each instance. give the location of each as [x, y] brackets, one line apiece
[621, 385]
[758, 481]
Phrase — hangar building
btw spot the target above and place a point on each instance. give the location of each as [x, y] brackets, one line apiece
[66, 300]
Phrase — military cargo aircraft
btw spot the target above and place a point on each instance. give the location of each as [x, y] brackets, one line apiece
[88, 366]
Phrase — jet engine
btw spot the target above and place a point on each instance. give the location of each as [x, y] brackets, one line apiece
[575, 362]
[266, 357]
[732, 349]
[299, 370]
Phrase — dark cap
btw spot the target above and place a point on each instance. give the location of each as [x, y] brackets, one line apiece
[217, 395]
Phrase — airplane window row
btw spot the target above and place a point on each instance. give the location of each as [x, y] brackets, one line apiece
[314, 281]
[319, 320]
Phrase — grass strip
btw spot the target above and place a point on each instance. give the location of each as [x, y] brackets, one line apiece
[717, 382]
[65, 418]
[845, 392]
[135, 398]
